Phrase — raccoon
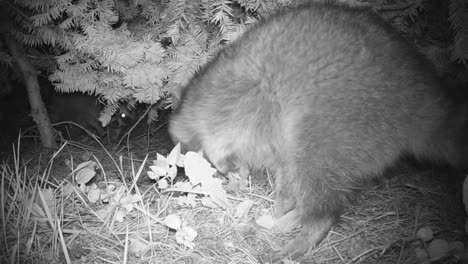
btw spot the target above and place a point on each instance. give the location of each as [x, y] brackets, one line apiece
[325, 96]
[85, 111]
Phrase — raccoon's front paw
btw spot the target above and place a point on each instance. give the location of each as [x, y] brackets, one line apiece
[312, 233]
[292, 251]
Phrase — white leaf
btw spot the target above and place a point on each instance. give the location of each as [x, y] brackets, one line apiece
[187, 186]
[153, 175]
[188, 199]
[89, 164]
[160, 157]
[173, 221]
[191, 199]
[243, 208]
[138, 247]
[185, 236]
[196, 167]
[82, 187]
[120, 214]
[129, 207]
[130, 199]
[162, 164]
[266, 221]
[84, 175]
[108, 192]
[94, 194]
[160, 168]
[182, 200]
[180, 161]
[114, 199]
[214, 187]
[208, 202]
[174, 155]
[67, 189]
[104, 212]
[162, 184]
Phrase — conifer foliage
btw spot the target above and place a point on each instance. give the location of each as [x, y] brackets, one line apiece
[139, 50]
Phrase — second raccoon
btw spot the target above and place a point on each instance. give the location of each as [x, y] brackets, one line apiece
[85, 111]
[326, 97]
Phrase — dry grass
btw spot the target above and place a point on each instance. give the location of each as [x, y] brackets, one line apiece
[41, 223]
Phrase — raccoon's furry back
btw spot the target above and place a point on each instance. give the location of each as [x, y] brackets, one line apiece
[346, 68]
[325, 96]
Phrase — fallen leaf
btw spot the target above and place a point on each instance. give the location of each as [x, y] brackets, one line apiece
[197, 168]
[160, 168]
[185, 236]
[37, 211]
[174, 155]
[438, 248]
[208, 202]
[152, 175]
[214, 188]
[421, 255]
[266, 221]
[180, 162]
[243, 208]
[163, 184]
[138, 246]
[94, 194]
[67, 189]
[88, 164]
[188, 199]
[120, 214]
[285, 223]
[173, 221]
[86, 156]
[84, 175]
[425, 234]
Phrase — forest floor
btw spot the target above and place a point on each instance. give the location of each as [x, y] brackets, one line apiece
[48, 217]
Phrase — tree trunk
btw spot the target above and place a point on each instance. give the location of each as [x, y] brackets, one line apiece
[38, 109]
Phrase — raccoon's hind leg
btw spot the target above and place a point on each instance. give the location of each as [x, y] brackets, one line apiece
[313, 198]
[316, 188]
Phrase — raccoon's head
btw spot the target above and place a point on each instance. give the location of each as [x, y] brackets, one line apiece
[123, 117]
[120, 121]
